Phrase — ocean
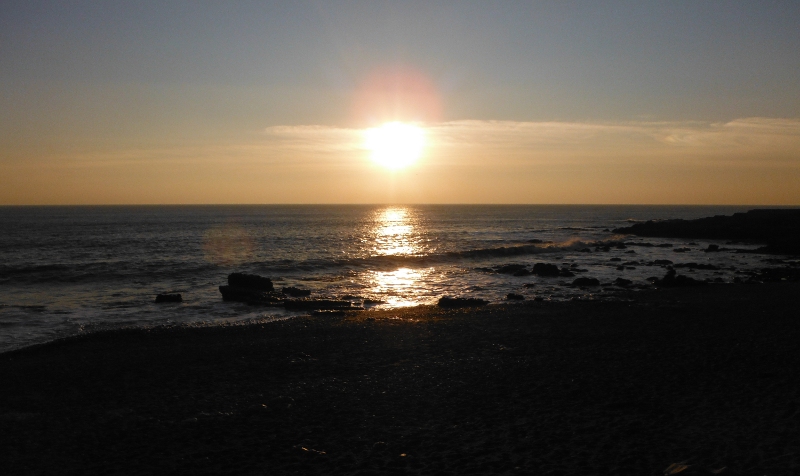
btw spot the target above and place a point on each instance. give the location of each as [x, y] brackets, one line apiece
[67, 270]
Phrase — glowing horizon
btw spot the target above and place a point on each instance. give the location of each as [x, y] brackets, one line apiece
[533, 103]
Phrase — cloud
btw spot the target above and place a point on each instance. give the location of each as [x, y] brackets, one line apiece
[747, 140]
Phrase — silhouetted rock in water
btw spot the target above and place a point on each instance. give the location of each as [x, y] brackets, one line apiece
[672, 280]
[169, 298]
[535, 241]
[779, 229]
[586, 282]
[544, 269]
[296, 292]
[230, 293]
[622, 282]
[712, 249]
[514, 269]
[315, 304]
[250, 281]
[514, 297]
[565, 273]
[615, 259]
[661, 262]
[250, 288]
[461, 302]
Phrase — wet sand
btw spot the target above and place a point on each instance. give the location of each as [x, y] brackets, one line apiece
[703, 376]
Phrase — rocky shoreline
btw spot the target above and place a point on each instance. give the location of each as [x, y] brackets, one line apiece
[778, 229]
[703, 377]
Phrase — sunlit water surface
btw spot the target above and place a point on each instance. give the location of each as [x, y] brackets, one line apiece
[64, 270]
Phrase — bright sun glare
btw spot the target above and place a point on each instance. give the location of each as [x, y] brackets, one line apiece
[395, 145]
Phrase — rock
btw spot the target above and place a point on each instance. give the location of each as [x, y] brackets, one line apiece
[250, 281]
[712, 249]
[250, 288]
[545, 269]
[296, 292]
[778, 228]
[169, 298]
[536, 241]
[622, 282]
[671, 280]
[662, 262]
[515, 269]
[514, 297]
[231, 293]
[452, 302]
[586, 282]
[565, 273]
[615, 259]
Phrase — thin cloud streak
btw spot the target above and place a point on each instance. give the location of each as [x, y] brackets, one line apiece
[510, 134]
[765, 140]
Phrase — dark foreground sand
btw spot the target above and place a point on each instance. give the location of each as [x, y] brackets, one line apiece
[703, 376]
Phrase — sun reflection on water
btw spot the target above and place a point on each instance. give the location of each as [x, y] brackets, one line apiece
[394, 233]
[399, 288]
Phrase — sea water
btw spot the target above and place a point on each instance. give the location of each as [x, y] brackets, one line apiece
[66, 270]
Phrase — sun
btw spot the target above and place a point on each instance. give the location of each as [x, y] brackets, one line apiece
[395, 145]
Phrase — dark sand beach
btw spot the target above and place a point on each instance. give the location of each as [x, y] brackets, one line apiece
[705, 377]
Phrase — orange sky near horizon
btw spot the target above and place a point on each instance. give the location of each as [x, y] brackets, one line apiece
[610, 103]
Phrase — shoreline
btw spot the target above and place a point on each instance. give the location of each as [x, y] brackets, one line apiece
[704, 376]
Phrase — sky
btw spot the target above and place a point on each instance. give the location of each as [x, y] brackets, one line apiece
[612, 102]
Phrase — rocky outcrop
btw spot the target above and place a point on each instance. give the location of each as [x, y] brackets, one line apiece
[513, 269]
[296, 292]
[586, 282]
[250, 281]
[673, 280]
[545, 269]
[169, 298]
[250, 288]
[622, 282]
[779, 229]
